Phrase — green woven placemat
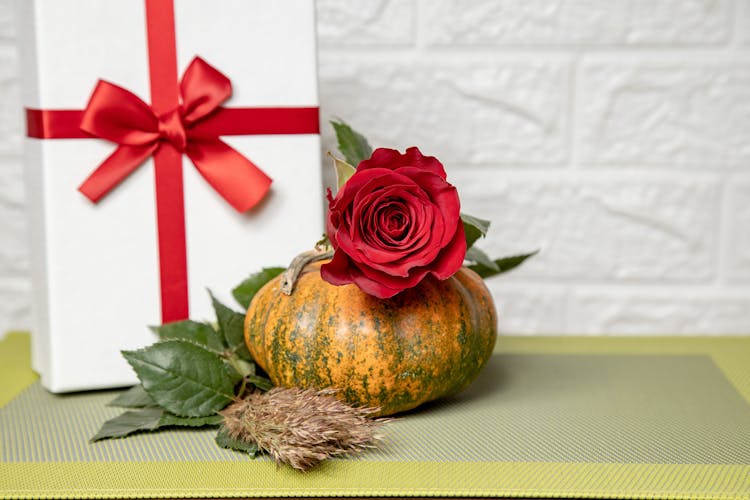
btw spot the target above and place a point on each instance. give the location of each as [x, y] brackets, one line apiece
[15, 366]
[549, 417]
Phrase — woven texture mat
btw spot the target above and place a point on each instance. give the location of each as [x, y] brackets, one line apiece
[549, 417]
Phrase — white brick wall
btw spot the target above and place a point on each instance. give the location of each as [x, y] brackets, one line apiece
[589, 22]
[614, 135]
[14, 281]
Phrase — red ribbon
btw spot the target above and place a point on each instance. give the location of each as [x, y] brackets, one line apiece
[185, 117]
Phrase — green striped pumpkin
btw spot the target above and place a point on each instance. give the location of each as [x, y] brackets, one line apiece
[425, 343]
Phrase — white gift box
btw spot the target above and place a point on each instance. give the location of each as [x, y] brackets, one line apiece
[95, 267]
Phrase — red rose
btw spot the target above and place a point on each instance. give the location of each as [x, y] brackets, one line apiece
[395, 221]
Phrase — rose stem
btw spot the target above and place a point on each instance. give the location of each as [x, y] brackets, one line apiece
[289, 278]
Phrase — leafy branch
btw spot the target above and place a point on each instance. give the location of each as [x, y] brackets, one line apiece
[192, 372]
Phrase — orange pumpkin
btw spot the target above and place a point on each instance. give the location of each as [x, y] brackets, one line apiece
[425, 343]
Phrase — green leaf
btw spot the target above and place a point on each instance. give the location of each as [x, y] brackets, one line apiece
[225, 441]
[150, 419]
[504, 265]
[183, 378]
[245, 291]
[231, 327]
[135, 397]
[323, 242]
[261, 383]
[474, 228]
[235, 374]
[171, 420]
[201, 334]
[129, 422]
[476, 255]
[352, 144]
[344, 171]
[243, 368]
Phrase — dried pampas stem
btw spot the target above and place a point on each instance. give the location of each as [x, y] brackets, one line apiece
[302, 427]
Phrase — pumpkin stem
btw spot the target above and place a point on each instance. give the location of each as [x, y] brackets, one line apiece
[290, 276]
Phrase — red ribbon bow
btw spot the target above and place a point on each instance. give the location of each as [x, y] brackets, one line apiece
[118, 115]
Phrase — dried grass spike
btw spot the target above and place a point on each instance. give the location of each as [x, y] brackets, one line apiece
[302, 427]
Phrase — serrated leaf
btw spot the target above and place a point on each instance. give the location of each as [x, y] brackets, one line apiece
[146, 419]
[344, 171]
[183, 378]
[352, 144]
[231, 327]
[476, 255]
[198, 333]
[504, 265]
[245, 291]
[135, 397]
[171, 420]
[225, 441]
[474, 228]
[150, 419]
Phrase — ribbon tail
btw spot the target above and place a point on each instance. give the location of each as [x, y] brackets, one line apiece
[238, 180]
[115, 169]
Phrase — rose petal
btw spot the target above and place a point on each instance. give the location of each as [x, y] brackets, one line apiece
[337, 271]
[368, 211]
[398, 260]
[373, 287]
[443, 195]
[391, 159]
[381, 158]
[353, 186]
[446, 265]
[415, 256]
[451, 257]
[348, 245]
[422, 246]
[387, 224]
[342, 224]
[393, 222]
[367, 239]
[383, 179]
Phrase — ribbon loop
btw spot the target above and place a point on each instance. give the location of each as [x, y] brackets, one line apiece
[203, 89]
[120, 116]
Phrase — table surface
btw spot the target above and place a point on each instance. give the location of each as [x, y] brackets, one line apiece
[583, 417]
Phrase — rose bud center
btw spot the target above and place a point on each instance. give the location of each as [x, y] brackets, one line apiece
[393, 221]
